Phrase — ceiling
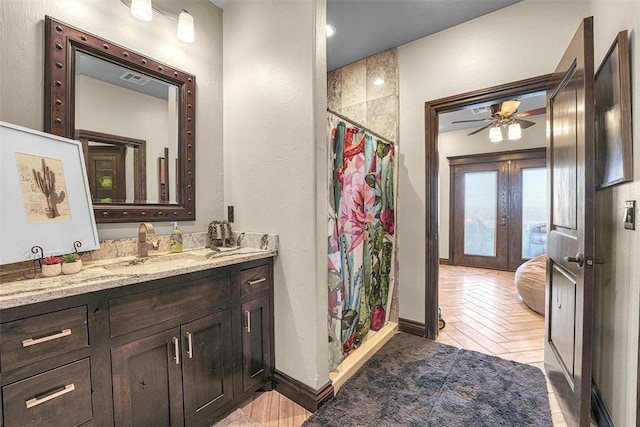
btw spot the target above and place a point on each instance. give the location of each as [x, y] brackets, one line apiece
[366, 27]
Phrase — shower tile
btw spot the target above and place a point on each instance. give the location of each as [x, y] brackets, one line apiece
[334, 90]
[354, 88]
[382, 66]
[382, 117]
[356, 113]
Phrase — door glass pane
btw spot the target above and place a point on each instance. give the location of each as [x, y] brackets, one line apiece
[480, 206]
[534, 212]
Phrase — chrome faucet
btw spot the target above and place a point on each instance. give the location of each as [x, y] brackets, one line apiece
[145, 240]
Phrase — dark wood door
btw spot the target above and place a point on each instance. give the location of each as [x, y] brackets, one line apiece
[147, 382]
[256, 347]
[106, 170]
[570, 140]
[207, 366]
[480, 215]
[498, 208]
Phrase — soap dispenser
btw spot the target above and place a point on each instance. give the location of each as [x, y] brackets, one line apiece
[175, 242]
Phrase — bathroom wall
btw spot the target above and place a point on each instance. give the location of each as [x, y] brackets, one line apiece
[22, 78]
[617, 294]
[532, 36]
[275, 155]
[351, 91]
[518, 42]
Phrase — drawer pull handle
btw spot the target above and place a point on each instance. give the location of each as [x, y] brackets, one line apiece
[176, 348]
[248, 314]
[31, 341]
[38, 400]
[189, 345]
[255, 282]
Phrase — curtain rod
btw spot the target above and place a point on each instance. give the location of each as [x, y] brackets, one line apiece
[377, 135]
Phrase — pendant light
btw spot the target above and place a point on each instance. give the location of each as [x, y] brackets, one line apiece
[185, 30]
[515, 131]
[141, 9]
[495, 134]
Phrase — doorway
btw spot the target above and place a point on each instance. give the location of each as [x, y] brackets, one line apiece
[432, 110]
[498, 208]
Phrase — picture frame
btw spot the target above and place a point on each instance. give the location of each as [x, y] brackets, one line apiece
[614, 159]
[45, 200]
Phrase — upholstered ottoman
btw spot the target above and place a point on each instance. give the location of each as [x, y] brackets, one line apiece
[530, 280]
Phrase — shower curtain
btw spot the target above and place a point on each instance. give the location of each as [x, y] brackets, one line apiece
[361, 235]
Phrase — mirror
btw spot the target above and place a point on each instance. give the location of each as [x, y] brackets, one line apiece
[135, 118]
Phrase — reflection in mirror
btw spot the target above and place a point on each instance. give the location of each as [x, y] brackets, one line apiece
[135, 117]
[112, 99]
[116, 167]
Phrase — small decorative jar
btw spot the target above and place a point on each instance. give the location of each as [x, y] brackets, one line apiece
[50, 270]
[71, 264]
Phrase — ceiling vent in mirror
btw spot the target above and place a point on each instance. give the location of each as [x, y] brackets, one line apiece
[481, 110]
[135, 78]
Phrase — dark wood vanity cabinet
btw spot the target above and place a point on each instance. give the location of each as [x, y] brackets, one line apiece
[180, 351]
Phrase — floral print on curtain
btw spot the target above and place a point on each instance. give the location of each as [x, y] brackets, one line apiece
[361, 230]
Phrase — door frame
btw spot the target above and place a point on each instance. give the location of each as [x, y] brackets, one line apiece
[432, 110]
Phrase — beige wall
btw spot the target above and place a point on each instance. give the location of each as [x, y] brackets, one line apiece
[352, 93]
[533, 35]
[458, 143]
[617, 302]
[22, 78]
[276, 163]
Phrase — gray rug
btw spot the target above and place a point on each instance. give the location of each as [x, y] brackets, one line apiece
[413, 381]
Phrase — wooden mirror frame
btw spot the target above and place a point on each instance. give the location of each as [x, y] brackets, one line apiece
[61, 43]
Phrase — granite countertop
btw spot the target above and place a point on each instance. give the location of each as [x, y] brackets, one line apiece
[115, 272]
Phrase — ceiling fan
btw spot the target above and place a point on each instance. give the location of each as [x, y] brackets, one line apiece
[505, 114]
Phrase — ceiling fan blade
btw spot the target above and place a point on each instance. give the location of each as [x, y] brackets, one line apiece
[480, 129]
[524, 123]
[507, 108]
[469, 121]
[534, 112]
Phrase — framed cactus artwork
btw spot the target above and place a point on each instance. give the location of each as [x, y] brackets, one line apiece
[44, 195]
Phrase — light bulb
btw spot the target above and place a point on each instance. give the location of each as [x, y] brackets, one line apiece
[515, 131]
[495, 134]
[141, 9]
[185, 31]
[331, 31]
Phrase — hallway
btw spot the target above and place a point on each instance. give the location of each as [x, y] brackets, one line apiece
[484, 313]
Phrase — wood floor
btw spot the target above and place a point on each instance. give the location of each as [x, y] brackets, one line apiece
[482, 312]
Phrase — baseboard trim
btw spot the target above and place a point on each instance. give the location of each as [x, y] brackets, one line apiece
[445, 261]
[302, 394]
[600, 412]
[411, 327]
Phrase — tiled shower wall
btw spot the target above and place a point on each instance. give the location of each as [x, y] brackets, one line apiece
[352, 93]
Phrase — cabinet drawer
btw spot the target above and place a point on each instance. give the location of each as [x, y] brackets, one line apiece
[256, 279]
[58, 397]
[138, 311]
[36, 338]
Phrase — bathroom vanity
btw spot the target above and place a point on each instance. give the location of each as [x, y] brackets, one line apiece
[175, 341]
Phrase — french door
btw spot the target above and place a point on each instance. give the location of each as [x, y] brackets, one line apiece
[498, 208]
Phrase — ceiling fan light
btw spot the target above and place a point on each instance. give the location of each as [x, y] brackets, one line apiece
[515, 131]
[495, 134]
[141, 9]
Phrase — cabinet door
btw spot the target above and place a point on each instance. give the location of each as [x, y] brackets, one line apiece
[207, 366]
[147, 381]
[256, 343]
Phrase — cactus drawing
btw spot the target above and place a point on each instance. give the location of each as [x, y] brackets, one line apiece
[46, 181]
